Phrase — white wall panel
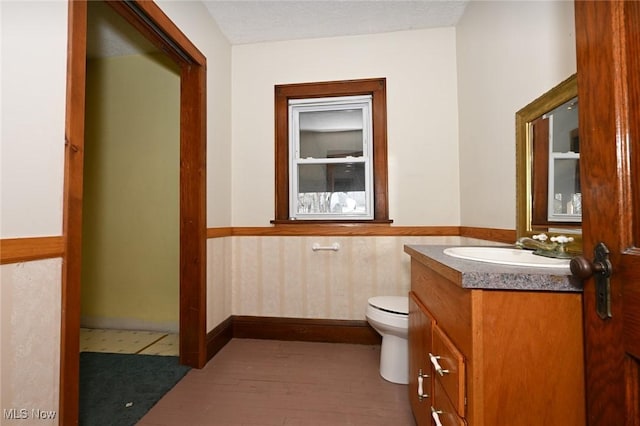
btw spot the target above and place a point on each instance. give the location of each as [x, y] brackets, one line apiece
[509, 53]
[34, 67]
[420, 68]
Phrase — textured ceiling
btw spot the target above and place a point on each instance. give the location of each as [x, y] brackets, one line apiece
[257, 21]
[245, 21]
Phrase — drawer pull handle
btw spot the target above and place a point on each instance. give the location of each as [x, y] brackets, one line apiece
[434, 360]
[421, 377]
[436, 416]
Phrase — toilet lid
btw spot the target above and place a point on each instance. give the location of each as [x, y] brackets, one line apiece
[393, 304]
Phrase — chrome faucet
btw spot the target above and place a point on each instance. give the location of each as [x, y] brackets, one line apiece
[555, 248]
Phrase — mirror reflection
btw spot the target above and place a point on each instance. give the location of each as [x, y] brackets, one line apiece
[549, 199]
[555, 180]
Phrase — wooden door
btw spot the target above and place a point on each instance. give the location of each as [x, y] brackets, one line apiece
[608, 40]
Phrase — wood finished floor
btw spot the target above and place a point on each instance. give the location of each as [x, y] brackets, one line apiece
[266, 382]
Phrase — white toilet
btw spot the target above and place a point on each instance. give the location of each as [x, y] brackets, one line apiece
[389, 316]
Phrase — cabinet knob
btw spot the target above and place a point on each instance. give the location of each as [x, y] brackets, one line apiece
[435, 414]
[421, 377]
[436, 365]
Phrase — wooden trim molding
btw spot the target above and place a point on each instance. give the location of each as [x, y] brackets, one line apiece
[305, 330]
[297, 329]
[219, 232]
[345, 229]
[363, 230]
[499, 235]
[377, 88]
[158, 28]
[14, 250]
[219, 337]
[69, 390]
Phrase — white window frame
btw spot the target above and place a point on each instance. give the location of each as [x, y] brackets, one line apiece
[296, 106]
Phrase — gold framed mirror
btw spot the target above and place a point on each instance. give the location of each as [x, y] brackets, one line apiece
[548, 197]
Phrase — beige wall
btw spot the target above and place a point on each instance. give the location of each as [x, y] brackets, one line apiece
[34, 66]
[281, 276]
[509, 53]
[284, 277]
[195, 22]
[423, 142]
[34, 55]
[34, 59]
[131, 205]
[420, 68]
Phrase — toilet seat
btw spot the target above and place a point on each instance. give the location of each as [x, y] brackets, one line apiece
[397, 305]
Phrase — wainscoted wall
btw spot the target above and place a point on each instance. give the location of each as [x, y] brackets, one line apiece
[30, 351]
[218, 280]
[282, 276]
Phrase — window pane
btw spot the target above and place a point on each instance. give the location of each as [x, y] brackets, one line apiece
[329, 134]
[565, 127]
[331, 177]
[331, 188]
[567, 198]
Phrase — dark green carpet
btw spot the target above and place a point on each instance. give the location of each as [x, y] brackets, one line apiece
[118, 389]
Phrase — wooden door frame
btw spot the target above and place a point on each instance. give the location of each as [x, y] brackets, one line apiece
[149, 20]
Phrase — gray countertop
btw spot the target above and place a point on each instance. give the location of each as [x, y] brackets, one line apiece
[480, 275]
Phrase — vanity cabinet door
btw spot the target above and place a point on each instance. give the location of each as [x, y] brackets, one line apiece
[448, 368]
[420, 374]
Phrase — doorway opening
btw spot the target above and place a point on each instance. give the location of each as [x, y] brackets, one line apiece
[130, 246]
[155, 26]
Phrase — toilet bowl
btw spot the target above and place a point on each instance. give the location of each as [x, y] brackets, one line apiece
[389, 316]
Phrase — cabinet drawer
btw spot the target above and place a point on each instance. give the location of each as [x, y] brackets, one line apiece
[449, 368]
[444, 409]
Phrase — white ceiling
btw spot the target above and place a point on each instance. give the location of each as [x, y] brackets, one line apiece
[244, 21]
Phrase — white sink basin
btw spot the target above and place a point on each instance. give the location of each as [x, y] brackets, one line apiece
[506, 256]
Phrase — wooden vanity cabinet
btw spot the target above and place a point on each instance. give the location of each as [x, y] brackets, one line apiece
[420, 394]
[513, 357]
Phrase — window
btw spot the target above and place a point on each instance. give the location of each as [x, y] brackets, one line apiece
[330, 158]
[331, 152]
